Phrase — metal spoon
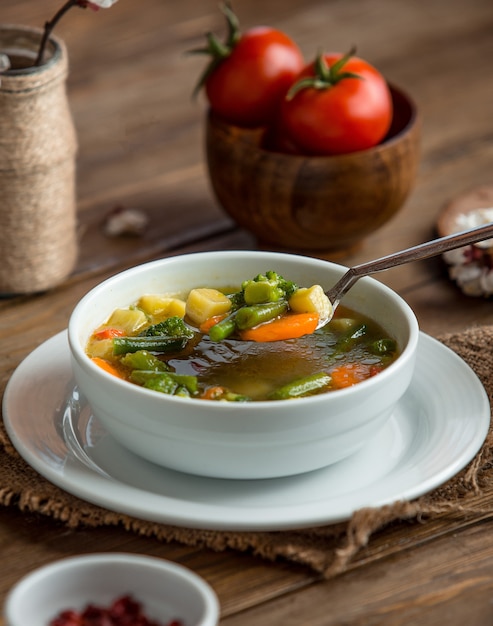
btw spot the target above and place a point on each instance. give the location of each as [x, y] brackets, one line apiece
[416, 253]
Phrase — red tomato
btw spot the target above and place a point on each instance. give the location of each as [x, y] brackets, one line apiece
[249, 74]
[247, 87]
[348, 109]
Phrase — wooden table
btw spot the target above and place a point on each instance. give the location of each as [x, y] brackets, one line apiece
[141, 146]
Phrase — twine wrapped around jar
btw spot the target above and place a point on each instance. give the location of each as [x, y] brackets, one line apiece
[38, 238]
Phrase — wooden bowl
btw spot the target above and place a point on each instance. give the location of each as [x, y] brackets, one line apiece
[312, 204]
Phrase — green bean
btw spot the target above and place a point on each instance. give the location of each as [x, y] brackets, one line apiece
[144, 360]
[301, 387]
[223, 329]
[250, 316]
[360, 331]
[142, 377]
[347, 340]
[383, 346]
[122, 345]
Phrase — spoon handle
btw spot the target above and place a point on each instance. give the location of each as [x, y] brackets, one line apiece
[416, 253]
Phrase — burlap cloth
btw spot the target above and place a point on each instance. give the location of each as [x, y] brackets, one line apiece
[327, 550]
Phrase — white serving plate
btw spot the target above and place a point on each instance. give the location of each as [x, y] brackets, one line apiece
[437, 428]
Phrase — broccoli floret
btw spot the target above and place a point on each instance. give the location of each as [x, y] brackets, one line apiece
[288, 287]
[268, 287]
[237, 300]
[171, 327]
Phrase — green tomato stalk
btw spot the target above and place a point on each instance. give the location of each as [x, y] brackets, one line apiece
[325, 76]
[217, 50]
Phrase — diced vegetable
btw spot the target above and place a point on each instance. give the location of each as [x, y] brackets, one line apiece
[213, 393]
[171, 327]
[259, 292]
[358, 332]
[129, 320]
[107, 366]
[384, 345]
[222, 394]
[237, 300]
[162, 306]
[301, 387]
[311, 300]
[102, 348]
[268, 287]
[350, 374]
[343, 324]
[351, 337]
[145, 378]
[144, 360]
[109, 333]
[286, 327]
[163, 384]
[204, 303]
[212, 321]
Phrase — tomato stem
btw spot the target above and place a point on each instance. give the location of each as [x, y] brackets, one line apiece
[233, 23]
[325, 76]
[217, 50]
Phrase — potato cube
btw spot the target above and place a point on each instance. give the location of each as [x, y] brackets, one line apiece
[100, 347]
[128, 320]
[344, 324]
[162, 306]
[311, 300]
[204, 303]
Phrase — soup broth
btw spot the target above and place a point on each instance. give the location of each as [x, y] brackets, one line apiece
[257, 370]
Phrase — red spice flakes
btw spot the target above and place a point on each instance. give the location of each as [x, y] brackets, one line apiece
[124, 611]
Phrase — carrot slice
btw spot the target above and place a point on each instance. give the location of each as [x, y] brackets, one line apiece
[212, 393]
[210, 322]
[286, 327]
[109, 333]
[107, 366]
[350, 374]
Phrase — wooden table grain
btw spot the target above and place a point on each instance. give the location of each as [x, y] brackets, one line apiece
[141, 146]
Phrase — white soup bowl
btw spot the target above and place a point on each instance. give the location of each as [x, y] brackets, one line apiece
[245, 440]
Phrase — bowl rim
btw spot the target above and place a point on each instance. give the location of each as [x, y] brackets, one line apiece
[210, 602]
[79, 354]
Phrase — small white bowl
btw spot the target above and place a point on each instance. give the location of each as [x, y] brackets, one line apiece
[241, 439]
[166, 590]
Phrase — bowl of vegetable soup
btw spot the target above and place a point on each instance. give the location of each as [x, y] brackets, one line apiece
[212, 364]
